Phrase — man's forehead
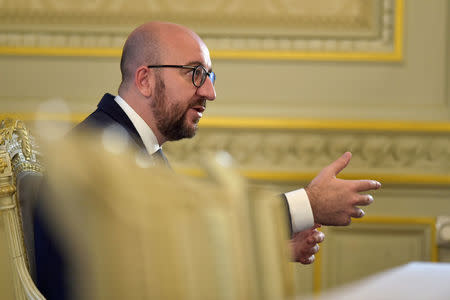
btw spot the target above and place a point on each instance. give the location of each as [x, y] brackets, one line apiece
[205, 54]
[186, 47]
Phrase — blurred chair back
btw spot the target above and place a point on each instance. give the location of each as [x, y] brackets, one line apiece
[146, 233]
[276, 276]
[20, 178]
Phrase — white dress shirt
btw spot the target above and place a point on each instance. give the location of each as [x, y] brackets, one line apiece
[145, 132]
[299, 207]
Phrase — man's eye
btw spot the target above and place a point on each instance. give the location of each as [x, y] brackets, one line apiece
[198, 72]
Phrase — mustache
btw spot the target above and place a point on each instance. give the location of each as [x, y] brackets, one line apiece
[199, 102]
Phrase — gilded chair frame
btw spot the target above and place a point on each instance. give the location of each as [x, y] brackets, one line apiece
[18, 155]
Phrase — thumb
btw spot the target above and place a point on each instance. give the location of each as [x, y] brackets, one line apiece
[339, 164]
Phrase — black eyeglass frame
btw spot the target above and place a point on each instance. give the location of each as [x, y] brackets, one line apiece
[211, 75]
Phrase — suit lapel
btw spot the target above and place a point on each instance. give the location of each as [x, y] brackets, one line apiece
[110, 106]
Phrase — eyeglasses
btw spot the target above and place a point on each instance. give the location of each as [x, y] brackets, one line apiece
[198, 75]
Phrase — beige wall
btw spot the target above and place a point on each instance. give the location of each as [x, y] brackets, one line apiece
[414, 88]
[341, 73]
[448, 51]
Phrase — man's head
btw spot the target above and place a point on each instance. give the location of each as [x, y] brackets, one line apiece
[166, 97]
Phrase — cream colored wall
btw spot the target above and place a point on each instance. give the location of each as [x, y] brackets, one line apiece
[405, 93]
[448, 51]
[412, 89]
[79, 81]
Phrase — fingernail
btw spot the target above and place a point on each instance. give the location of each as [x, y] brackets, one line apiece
[322, 236]
[370, 198]
[316, 249]
[376, 184]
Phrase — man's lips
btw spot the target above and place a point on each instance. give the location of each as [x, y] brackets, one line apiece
[199, 108]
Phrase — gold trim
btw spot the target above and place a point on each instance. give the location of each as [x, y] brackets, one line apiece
[269, 123]
[394, 56]
[398, 30]
[7, 190]
[3, 165]
[421, 179]
[285, 176]
[396, 220]
[28, 116]
[311, 56]
[278, 123]
[48, 51]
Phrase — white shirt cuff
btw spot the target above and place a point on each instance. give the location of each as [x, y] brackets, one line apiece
[301, 213]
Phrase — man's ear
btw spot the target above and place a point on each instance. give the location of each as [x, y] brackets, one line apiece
[143, 79]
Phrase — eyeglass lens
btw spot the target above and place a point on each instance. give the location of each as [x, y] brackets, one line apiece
[200, 74]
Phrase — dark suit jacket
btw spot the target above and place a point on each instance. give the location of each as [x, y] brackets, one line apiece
[108, 113]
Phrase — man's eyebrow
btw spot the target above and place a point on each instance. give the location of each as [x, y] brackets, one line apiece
[196, 63]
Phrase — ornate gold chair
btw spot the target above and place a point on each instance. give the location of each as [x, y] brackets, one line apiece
[20, 176]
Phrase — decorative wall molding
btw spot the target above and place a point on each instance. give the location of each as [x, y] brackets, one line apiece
[291, 151]
[275, 29]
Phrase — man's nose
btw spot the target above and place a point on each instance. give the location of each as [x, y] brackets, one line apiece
[207, 90]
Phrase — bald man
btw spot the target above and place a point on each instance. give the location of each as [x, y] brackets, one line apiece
[167, 80]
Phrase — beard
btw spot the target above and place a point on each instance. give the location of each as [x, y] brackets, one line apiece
[171, 119]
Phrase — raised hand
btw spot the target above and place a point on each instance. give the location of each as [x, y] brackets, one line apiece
[335, 201]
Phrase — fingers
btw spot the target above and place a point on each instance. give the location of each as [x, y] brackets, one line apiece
[309, 252]
[339, 164]
[316, 238]
[305, 245]
[314, 249]
[357, 213]
[320, 236]
[364, 200]
[365, 185]
[308, 260]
